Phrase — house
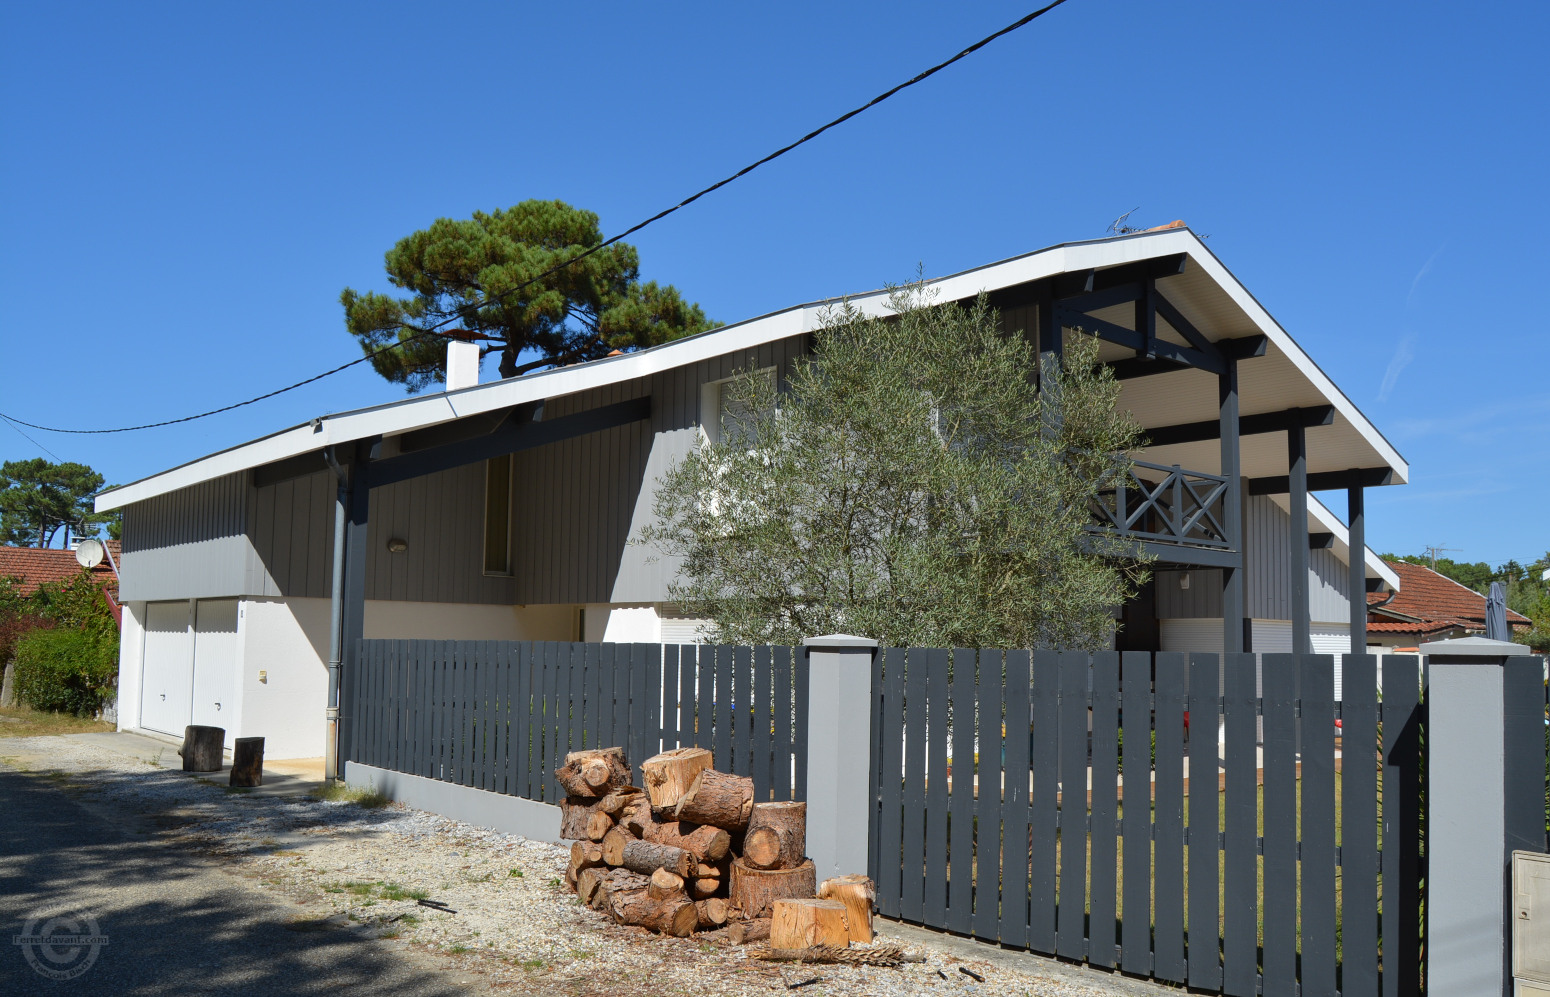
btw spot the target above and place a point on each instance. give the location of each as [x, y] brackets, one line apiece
[34, 566]
[1427, 607]
[504, 510]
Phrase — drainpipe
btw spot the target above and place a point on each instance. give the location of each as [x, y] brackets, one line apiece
[331, 767]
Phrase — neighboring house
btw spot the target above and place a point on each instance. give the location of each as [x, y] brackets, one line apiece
[505, 510]
[34, 566]
[1428, 607]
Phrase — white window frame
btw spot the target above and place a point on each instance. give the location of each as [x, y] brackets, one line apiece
[484, 528]
[710, 403]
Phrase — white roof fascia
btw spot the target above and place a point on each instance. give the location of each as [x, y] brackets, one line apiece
[1321, 516]
[429, 410]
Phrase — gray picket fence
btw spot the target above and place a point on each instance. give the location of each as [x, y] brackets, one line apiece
[1003, 780]
[501, 715]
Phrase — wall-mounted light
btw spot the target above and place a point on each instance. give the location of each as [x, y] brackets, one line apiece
[397, 545]
[1184, 580]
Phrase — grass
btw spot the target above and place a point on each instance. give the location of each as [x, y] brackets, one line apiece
[338, 792]
[371, 892]
[24, 721]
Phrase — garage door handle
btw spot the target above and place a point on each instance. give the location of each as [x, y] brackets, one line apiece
[164, 697]
[217, 706]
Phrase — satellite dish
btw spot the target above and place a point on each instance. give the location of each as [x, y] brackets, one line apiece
[89, 553]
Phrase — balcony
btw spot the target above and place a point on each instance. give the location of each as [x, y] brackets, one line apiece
[1161, 504]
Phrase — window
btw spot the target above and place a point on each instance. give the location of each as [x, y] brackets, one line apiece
[497, 515]
[720, 413]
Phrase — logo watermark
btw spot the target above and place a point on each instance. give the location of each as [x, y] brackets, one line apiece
[62, 945]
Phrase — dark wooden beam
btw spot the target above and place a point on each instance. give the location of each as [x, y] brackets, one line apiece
[1297, 466]
[1356, 566]
[1243, 347]
[298, 466]
[1184, 326]
[1131, 339]
[514, 435]
[1375, 584]
[1321, 541]
[1248, 425]
[1133, 367]
[1234, 583]
[469, 427]
[1324, 481]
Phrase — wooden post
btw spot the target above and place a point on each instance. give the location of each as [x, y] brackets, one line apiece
[1233, 578]
[1356, 557]
[201, 749]
[1297, 464]
[247, 761]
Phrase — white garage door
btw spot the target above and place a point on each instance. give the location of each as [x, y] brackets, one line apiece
[167, 685]
[215, 664]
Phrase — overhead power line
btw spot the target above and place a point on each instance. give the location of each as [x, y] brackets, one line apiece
[919, 77]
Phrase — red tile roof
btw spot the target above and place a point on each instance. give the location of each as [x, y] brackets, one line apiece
[36, 566]
[1428, 601]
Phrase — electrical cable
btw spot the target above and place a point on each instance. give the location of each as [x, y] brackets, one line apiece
[919, 77]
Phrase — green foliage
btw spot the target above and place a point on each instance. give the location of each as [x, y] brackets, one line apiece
[910, 484]
[38, 498]
[461, 269]
[67, 670]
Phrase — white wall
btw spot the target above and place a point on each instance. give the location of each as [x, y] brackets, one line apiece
[622, 624]
[131, 648]
[287, 639]
[467, 621]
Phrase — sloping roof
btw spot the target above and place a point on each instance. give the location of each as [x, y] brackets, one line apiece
[37, 566]
[1420, 627]
[1427, 597]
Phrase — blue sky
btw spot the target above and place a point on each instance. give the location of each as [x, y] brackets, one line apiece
[188, 187]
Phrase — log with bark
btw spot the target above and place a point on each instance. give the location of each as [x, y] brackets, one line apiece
[756, 890]
[247, 762]
[858, 894]
[579, 815]
[674, 916]
[586, 855]
[743, 932]
[594, 772]
[646, 857]
[879, 955]
[718, 799]
[712, 913]
[668, 776]
[201, 749]
[803, 923]
[597, 886]
[665, 884]
[704, 887]
[613, 845]
[704, 842]
[776, 836]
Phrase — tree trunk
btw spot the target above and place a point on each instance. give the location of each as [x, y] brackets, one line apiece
[756, 890]
[593, 773]
[201, 749]
[777, 836]
[665, 884]
[858, 894]
[712, 913]
[676, 917]
[247, 761]
[718, 799]
[799, 924]
[667, 776]
[743, 932]
[646, 857]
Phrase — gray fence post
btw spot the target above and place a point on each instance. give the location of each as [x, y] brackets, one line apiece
[839, 753]
[1475, 693]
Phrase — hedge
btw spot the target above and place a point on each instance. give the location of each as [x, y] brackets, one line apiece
[67, 670]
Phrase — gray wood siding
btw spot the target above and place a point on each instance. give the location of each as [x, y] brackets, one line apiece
[191, 544]
[1267, 535]
[578, 502]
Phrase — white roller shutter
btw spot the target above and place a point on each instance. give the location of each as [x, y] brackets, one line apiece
[1190, 635]
[684, 629]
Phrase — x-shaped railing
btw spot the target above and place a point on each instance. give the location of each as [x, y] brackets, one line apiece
[1165, 503]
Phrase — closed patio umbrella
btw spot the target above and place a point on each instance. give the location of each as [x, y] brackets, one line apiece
[1496, 614]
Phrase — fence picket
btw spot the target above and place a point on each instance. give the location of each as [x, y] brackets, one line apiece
[888, 856]
[960, 824]
[989, 697]
[1205, 816]
[763, 702]
[913, 791]
[1015, 851]
[621, 695]
[1359, 826]
[1172, 678]
[936, 782]
[1400, 866]
[551, 729]
[1318, 825]
[742, 711]
[1136, 908]
[1043, 809]
[721, 732]
[704, 701]
[1105, 768]
[1071, 914]
[1240, 912]
[1279, 959]
[799, 732]
[648, 737]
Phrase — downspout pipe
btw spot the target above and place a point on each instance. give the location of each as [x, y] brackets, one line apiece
[331, 764]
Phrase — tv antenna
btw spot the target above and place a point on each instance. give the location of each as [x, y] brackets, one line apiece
[1432, 553]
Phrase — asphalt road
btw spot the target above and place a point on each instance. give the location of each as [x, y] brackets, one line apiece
[174, 922]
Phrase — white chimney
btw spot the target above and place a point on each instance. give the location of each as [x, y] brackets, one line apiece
[462, 364]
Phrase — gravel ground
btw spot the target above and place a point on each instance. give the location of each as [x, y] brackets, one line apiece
[516, 925]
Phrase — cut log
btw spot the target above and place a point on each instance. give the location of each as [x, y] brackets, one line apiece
[777, 835]
[802, 923]
[743, 932]
[593, 773]
[705, 843]
[587, 881]
[201, 749]
[613, 846]
[704, 887]
[668, 776]
[636, 817]
[705, 870]
[570, 875]
[718, 799]
[247, 761]
[858, 894]
[665, 884]
[598, 826]
[586, 854]
[712, 913]
[674, 916]
[756, 890]
[615, 881]
[646, 857]
[576, 811]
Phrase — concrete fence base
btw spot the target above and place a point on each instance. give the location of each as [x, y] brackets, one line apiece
[508, 814]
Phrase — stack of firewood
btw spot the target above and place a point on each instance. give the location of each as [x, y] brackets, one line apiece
[691, 851]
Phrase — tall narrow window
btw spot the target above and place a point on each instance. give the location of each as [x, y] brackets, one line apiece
[497, 515]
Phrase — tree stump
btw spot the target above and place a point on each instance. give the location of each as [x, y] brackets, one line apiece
[201, 749]
[247, 762]
[593, 773]
[646, 857]
[858, 894]
[718, 799]
[665, 884]
[756, 890]
[667, 776]
[777, 836]
[712, 913]
[799, 924]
